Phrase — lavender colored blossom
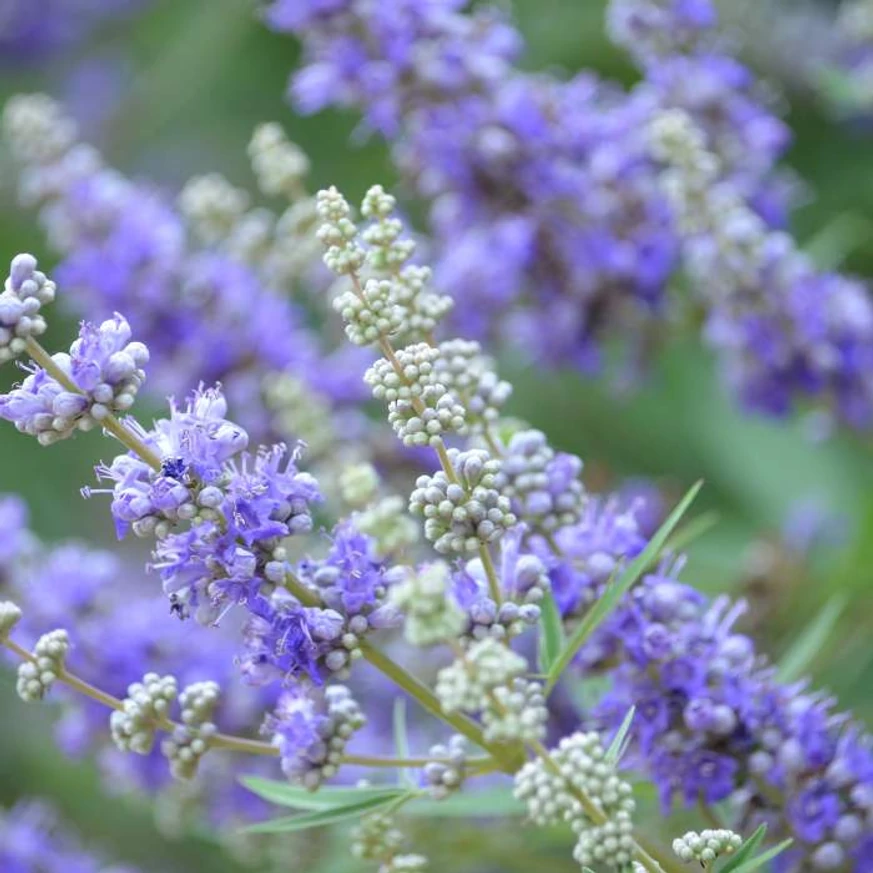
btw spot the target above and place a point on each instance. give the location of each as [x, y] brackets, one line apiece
[34, 840]
[103, 365]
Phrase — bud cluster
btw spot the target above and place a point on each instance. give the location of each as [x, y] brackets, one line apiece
[321, 758]
[461, 516]
[467, 685]
[446, 775]
[432, 615]
[280, 166]
[706, 846]
[146, 706]
[517, 712]
[578, 786]
[49, 657]
[25, 291]
[190, 740]
[377, 839]
[212, 206]
[470, 377]
[544, 487]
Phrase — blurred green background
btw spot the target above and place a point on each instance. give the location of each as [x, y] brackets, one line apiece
[199, 75]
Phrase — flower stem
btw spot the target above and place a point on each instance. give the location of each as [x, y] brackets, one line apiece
[430, 702]
[491, 573]
[110, 423]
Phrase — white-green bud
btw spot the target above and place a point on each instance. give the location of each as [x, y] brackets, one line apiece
[279, 165]
[338, 233]
[49, 658]
[432, 614]
[446, 773]
[423, 421]
[370, 315]
[518, 712]
[467, 683]
[147, 705]
[469, 375]
[10, 615]
[416, 372]
[388, 522]
[190, 740]
[359, 484]
[212, 207]
[706, 846]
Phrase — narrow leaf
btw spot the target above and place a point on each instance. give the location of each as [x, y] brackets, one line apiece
[692, 531]
[491, 803]
[295, 797]
[619, 742]
[401, 739]
[551, 632]
[795, 662]
[745, 852]
[618, 588]
[319, 818]
[763, 858]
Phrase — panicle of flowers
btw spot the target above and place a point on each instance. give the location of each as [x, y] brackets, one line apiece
[202, 310]
[712, 721]
[311, 729]
[543, 485]
[783, 328]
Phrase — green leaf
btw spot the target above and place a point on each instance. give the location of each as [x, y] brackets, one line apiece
[551, 632]
[322, 817]
[745, 852]
[692, 531]
[616, 589]
[764, 858]
[619, 743]
[490, 803]
[401, 739]
[795, 662]
[294, 796]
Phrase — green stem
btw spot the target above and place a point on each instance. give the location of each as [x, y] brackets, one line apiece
[491, 573]
[430, 702]
[110, 423]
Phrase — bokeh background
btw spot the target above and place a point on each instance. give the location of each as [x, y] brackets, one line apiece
[176, 89]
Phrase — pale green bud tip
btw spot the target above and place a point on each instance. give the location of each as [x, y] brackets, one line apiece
[10, 615]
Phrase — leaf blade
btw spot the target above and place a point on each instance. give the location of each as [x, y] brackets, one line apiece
[795, 662]
[616, 589]
[552, 638]
[319, 818]
[295, 797]
[618, 745]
